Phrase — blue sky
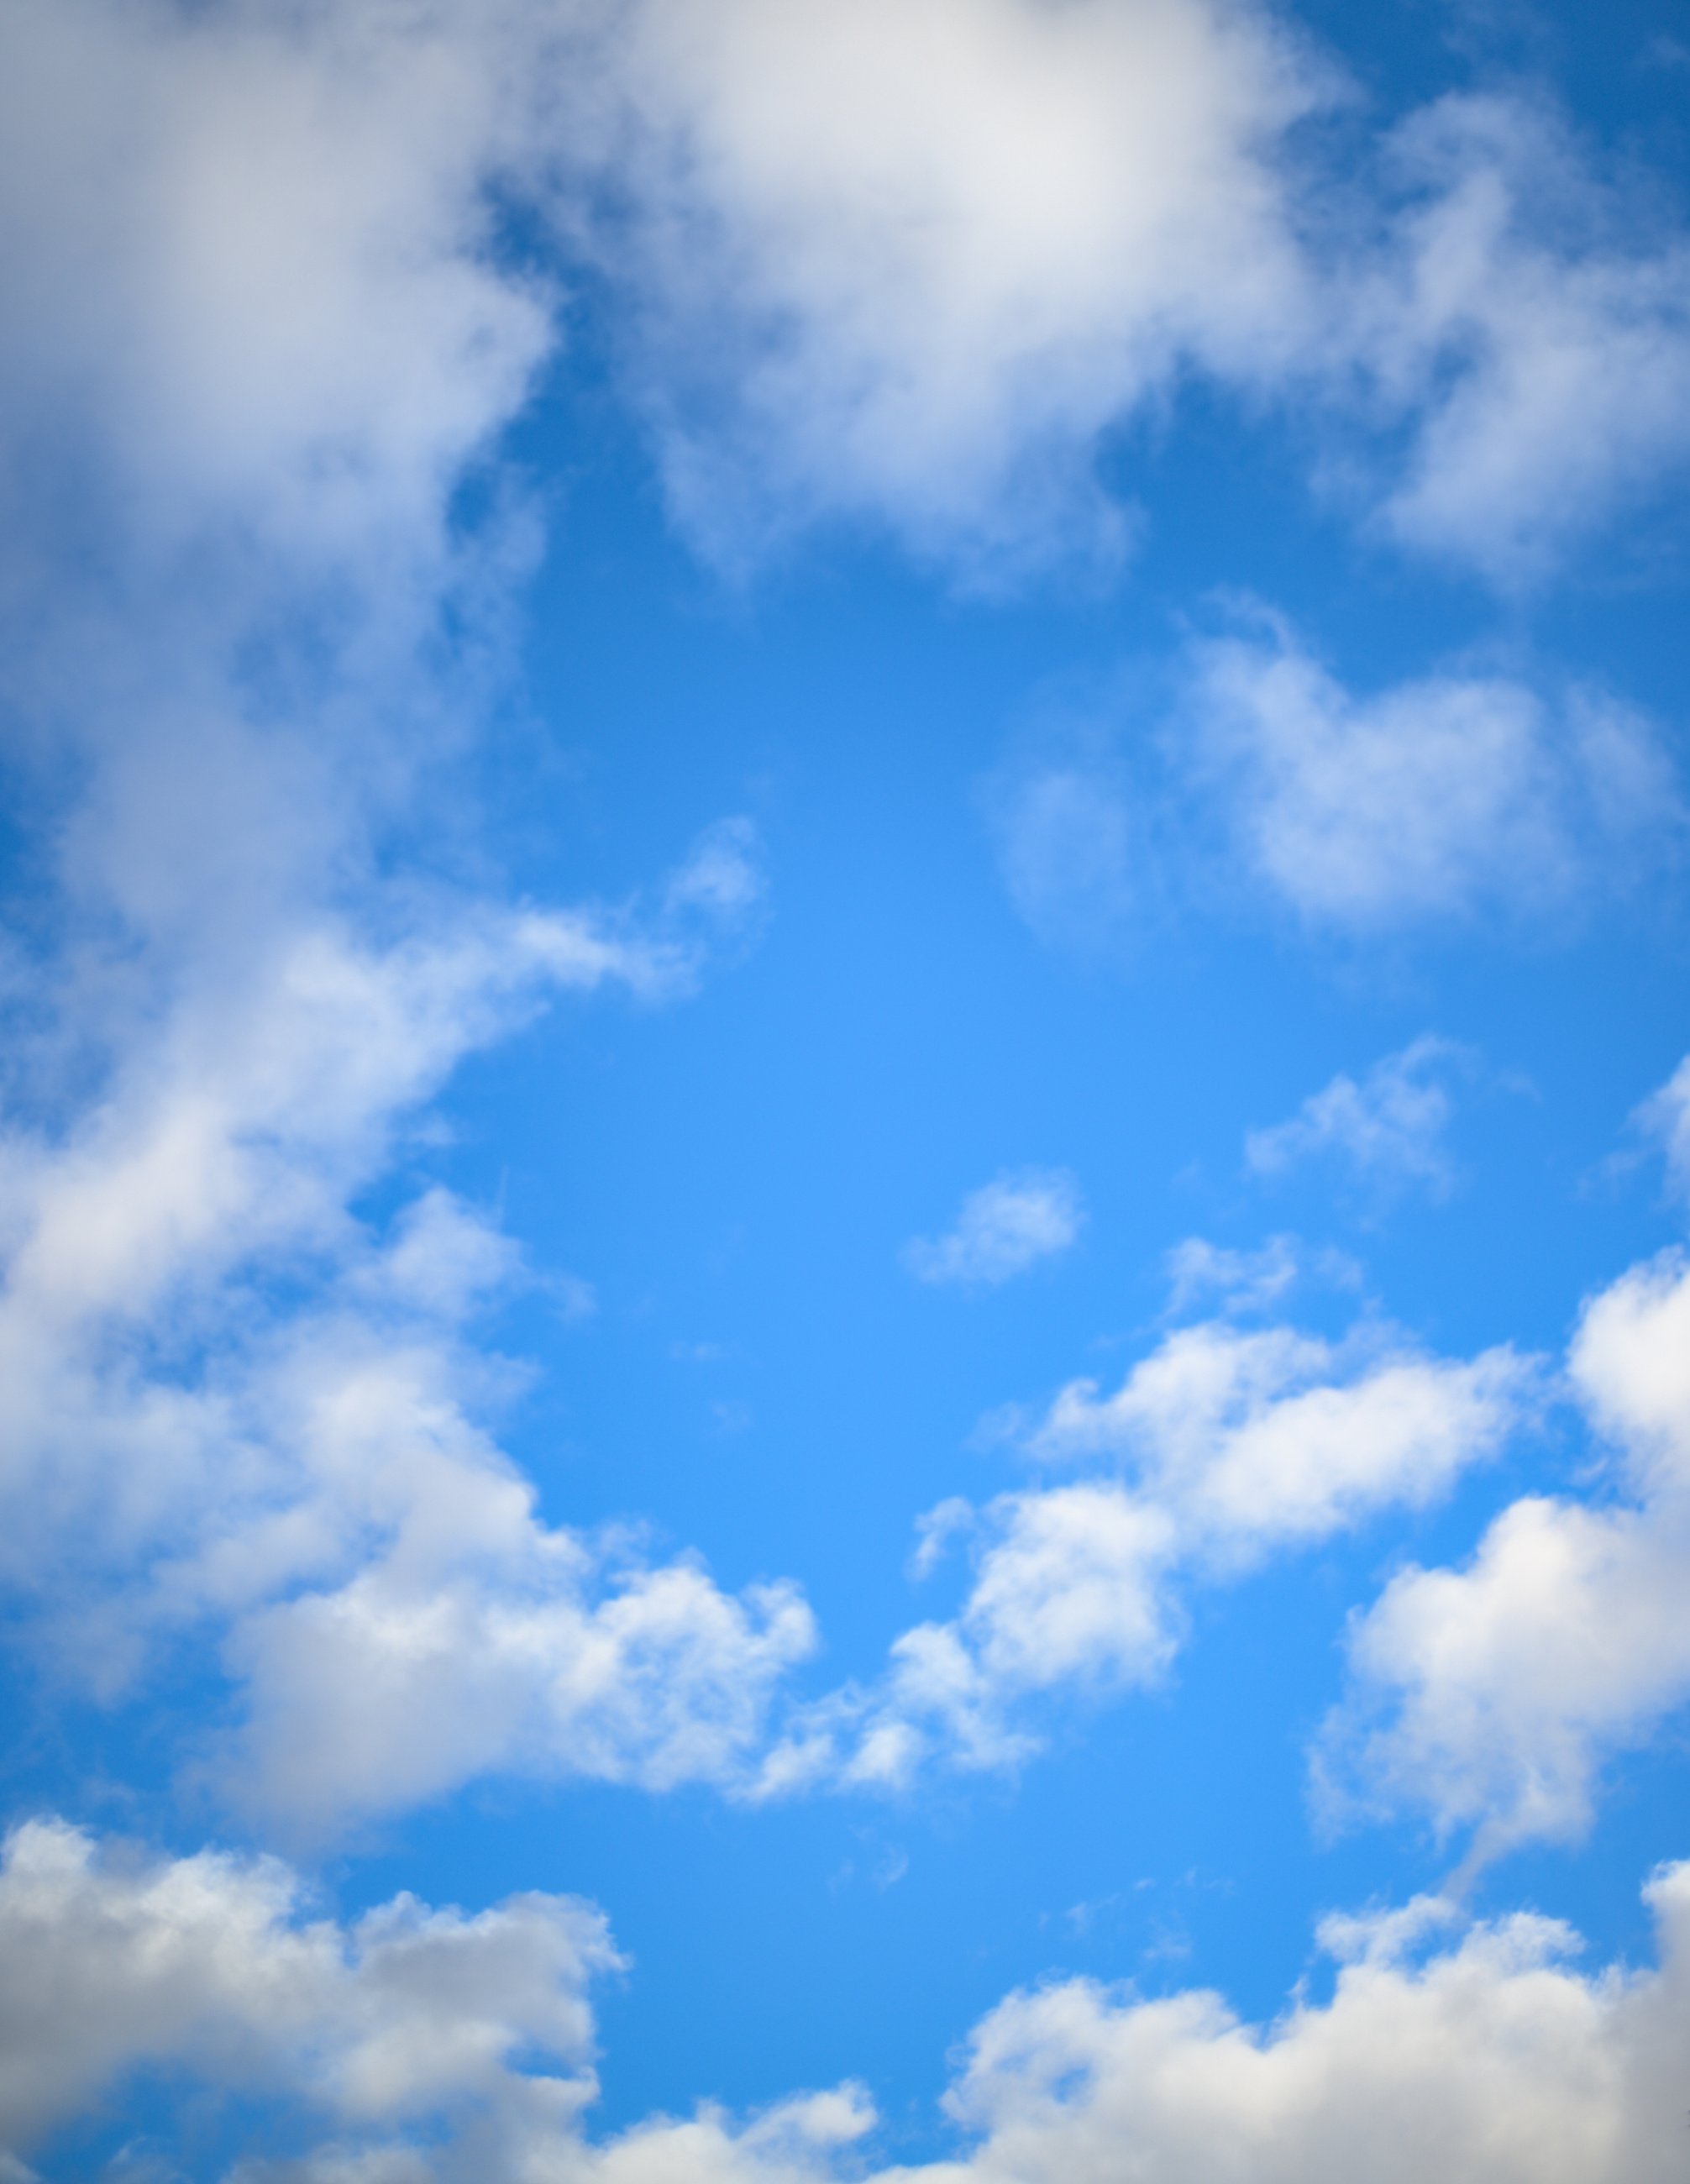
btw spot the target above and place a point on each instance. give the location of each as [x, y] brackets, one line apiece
[845, 1124]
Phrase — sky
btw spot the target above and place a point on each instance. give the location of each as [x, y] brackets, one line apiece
[844, 1117]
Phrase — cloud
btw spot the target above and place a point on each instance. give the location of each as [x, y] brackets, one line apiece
[906, 264]
[406, 2019]
[422, 2047]
[1430, 800]
[1223, 1447]
[1242, 772]
[1529, 320]
[1492, 1696]
[1004, 1228]
[1666, 1116]
[1389, 1129]
[1245, 1281]
[266, 331]
[917, 268]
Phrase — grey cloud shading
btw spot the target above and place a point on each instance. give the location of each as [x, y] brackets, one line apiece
[428, 2046]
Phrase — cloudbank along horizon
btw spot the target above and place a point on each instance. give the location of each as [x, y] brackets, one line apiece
[844, 1119]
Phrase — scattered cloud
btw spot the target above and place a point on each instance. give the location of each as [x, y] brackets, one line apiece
[1224, 1447]
[1239, 1281]
[427, 2047]
[265, 336]
[1244, 773]
[1666, 1117]
[1389, 1130]
[1429, 801]
[1491, 1696]
[1529, 319]
[382, 2030]
[855, 301]
[1004, 1228]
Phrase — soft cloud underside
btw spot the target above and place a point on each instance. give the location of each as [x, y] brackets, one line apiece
[419, 2045]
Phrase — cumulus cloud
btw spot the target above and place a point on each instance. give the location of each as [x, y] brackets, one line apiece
[907, 262]
[913, 266]
[1245, 773]
[1389, 1129]
[212, 1965]
[1491, 1695]
[1224, 1447]
[1427, 800]
[265, 334]
[1006, 1226]
[416, 2045]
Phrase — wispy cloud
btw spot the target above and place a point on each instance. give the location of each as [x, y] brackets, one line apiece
[1389, 1129]
[1003, 1229]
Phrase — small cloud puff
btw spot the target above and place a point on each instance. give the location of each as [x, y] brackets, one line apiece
[1388, 1128]
[1004, 1228]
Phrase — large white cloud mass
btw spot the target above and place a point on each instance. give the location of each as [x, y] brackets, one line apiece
[416, 2045]
[923, 264]
[263, 331]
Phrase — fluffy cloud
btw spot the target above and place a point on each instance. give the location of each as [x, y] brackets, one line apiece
[1532, 325]
[1265, 778]
[1491, 1696]
[914, 266]
[1429, 800]
[1389, 1129]
[212, 1965]
[1004, 1228]
[1224, 1447]
[420, 2045]
[264, 331]
[183, 1457]
[907, 262]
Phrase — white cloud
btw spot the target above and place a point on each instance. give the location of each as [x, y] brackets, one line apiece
[1531, 322]
[421, 2046]
[310, 1483]
[908, 262]
[1493, 1694]
[406, 2019]
[1004, 1228]
[1220, 1449]
[1389, 1129]
[1666, 1116]
[262, 329]
[1431, 800]
[914, 266]
[1243, 1282]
